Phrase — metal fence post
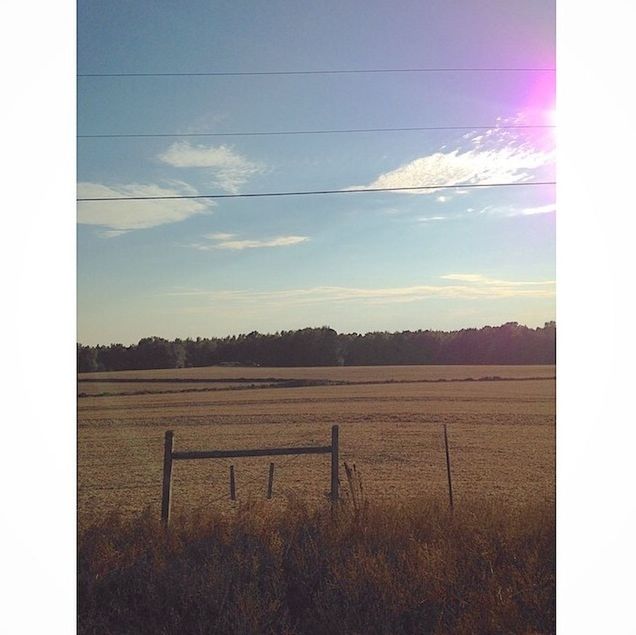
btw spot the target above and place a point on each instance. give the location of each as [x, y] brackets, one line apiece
[334, 463]
[167, 477]
[448, 468]
[232, 484]
[270, 482]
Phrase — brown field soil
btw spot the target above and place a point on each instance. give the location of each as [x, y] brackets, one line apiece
[501, 433]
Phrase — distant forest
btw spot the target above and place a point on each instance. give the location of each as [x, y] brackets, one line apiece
[510, 343]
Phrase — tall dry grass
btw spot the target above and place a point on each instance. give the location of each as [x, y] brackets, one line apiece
[362, 569]
[355, 568]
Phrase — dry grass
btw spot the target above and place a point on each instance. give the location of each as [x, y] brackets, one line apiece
[385, 569]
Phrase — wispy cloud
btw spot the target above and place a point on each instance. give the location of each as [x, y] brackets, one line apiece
[112, 233]
[477, 278]
[494, 156]
[515, 210]
[474, 286]
[464, 277]
[227, 169]
[123, 216]
[428, 219]
[229, 241]
[219, 236]
[542, 209]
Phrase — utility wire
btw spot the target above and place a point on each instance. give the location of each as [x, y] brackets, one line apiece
[327, 72]
[304, 132]
[312, 192]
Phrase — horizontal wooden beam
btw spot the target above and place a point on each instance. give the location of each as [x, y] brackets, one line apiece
[229, 454]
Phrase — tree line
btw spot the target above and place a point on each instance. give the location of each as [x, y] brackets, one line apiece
[510, 343]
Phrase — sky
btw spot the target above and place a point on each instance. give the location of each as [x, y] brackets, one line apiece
[440, 259]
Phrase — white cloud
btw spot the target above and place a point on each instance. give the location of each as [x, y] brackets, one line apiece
[426, 219]
[495, 156]
[542, 209]
[475, 286]
[280, 241]
[113, 233]
[513, 210]
[122, 216]
[219, 236]
[464, 277]
[224, 241]
[228, 169]
[480, 279]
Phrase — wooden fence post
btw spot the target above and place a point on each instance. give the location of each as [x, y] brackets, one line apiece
[270, 482]
[167, 477]
[232, 484]
[170, 455]
[448, 469]
[334, 463]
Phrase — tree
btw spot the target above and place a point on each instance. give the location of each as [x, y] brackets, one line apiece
[155, 352]
[86, 359]
[510, 343]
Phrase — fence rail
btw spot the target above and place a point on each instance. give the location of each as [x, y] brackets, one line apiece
[230, 454]
[169, 455]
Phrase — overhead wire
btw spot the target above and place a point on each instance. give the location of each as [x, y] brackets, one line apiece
[347, 71]
[305, 132]
[438, 186]
[308, 132]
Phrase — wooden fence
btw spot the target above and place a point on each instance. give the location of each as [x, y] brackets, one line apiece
[169, 455]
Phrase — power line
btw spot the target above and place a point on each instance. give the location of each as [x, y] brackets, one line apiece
[312, 192]
[347, 71]
[303, 132]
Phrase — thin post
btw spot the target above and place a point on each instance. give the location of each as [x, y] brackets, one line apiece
[448, 468]
[232, 484]
[167, 477]
[270, 482]
[334, 463]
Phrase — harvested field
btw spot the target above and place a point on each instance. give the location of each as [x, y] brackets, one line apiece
[344, 373]
[501, 433]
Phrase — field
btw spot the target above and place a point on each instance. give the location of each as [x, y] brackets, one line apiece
[501, 426]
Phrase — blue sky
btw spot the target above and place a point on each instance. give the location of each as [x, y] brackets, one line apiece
[357, 262]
